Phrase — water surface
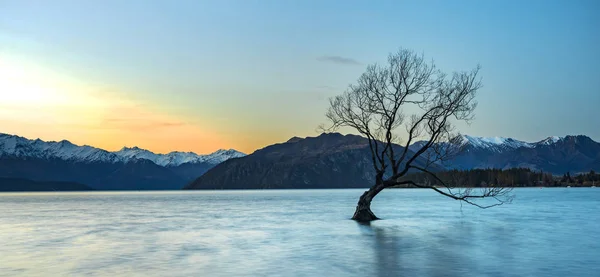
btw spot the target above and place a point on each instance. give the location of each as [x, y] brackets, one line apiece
[544, 232]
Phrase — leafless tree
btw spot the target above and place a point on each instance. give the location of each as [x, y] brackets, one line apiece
[410, 92]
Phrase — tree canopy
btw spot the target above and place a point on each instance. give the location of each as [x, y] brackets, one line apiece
[399, 103]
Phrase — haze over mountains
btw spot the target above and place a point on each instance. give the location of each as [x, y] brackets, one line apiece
[128, 168]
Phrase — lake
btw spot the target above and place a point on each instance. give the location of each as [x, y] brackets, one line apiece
[544, 232]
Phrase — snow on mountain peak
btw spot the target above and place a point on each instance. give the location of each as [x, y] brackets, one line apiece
[11, 145]
[498, 143]
[176, 158]
[494, 142]
[486, 142]
[551, 140]
[222, 155]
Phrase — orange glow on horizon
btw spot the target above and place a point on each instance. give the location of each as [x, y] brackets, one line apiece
[37, 103]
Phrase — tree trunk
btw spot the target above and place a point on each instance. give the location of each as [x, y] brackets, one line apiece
[363, 211]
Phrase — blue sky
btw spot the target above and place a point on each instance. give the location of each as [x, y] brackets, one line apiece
[252, 73]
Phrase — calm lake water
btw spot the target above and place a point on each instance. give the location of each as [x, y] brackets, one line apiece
[544, 232]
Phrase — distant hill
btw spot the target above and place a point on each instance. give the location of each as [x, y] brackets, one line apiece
[327, 161]
[128, 169]
[16, 184]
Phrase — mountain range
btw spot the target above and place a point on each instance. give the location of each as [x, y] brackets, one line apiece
[343, 161]
[129, 168]
[557, 155]
[330, 160]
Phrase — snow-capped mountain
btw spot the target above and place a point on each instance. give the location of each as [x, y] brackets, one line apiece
[16, 146]
[11, 145]
[497, 144]
[128, 168]
[553, 154]
[550, 140]
[494, 143]
[507, 143]
[178, 158]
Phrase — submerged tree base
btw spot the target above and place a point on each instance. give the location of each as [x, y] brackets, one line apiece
[363, 211]
[364, 215]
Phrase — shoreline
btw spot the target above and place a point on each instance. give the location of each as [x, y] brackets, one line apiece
[247, 190]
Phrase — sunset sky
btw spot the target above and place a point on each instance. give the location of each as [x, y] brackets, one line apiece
[204, 75]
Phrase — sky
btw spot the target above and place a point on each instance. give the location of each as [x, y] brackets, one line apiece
[206, 75]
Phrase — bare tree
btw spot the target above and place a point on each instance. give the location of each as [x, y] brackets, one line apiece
[409, 92]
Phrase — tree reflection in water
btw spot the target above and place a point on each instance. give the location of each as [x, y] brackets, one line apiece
[399, 251]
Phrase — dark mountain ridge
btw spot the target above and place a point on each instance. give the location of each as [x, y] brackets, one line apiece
[331, 160]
